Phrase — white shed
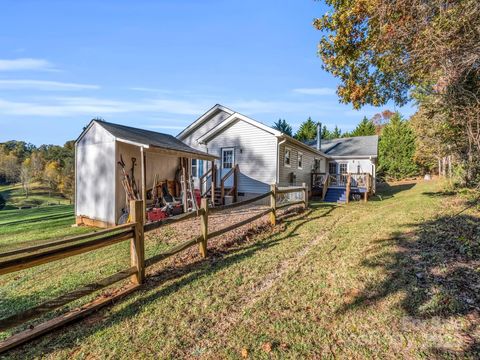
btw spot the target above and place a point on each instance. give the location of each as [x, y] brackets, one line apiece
[99, 193]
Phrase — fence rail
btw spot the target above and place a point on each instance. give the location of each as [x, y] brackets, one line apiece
[19, 259]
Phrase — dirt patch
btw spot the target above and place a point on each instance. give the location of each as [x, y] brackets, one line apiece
[189, 229]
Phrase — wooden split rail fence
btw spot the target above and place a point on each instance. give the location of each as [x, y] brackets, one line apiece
[24, 258]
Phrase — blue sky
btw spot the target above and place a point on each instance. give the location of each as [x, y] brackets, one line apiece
[160, 64]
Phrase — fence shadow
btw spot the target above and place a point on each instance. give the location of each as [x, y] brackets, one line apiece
[435, 267]
[220, 257]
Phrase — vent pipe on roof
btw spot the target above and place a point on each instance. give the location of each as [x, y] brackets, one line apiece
[319, 136]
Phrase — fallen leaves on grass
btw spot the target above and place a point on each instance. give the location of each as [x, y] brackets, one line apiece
[267, 347]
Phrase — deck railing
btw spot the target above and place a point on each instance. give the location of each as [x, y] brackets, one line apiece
[360, 180]
[349, 181]
[338, 179]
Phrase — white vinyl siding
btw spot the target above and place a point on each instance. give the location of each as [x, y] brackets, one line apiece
[302, 175]
[287, 160]
[254, 152]
[95, 175]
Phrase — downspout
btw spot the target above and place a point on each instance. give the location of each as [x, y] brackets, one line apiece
[278, 159]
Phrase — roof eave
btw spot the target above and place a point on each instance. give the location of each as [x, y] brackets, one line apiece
[303, 145]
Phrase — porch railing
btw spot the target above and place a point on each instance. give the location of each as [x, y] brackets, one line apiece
[234, 189]
[211, 175]
[338, 179]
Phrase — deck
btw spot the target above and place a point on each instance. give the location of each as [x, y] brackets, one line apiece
[341, 187]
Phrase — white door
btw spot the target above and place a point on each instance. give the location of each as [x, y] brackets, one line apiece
[228, 162]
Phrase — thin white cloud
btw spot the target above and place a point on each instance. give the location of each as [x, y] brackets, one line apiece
[281, 107]
[150, 90]
[45, 85]
[71, 106]
[315, 91]
[25, 64]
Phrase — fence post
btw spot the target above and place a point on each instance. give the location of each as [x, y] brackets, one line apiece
[204, 228]
[273, 204]
[137, 244]
[305, 196]
[348, 189]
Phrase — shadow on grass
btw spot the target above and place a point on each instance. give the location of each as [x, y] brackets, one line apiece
[386, 191]
[220, 256]
[435, 267]
[436, 194]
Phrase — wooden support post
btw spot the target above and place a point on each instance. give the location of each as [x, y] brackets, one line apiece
[143, 161]
[137, 244]
[305, 196]
[184, 184]
[235, 183]
[273, 204]
[365, 198]
[214, 183]
[204, 228]
[349, 186]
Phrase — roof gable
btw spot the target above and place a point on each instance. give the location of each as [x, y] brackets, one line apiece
[231, 120]
[202, 119]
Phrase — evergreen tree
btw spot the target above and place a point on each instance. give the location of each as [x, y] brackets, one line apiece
[326, 134]
[307, 131]
[283, 126]
[397, 150]
[336, 133]
[364, 128]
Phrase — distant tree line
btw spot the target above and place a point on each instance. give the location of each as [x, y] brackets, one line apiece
[51, 165]
[308, 129]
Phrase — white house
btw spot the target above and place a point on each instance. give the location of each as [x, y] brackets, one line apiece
[263, 155]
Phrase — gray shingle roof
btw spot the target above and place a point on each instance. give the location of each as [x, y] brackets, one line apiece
[354, 146]
[149, 138]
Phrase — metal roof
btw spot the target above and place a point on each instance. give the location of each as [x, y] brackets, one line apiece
[149, 138]
[353, 146]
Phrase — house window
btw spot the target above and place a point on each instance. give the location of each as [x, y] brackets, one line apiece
[288, 153]
[300, 160]
[227, 158]
[332, 168]
[343, 168]
[194, 167]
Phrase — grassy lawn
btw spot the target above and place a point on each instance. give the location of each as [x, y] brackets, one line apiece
[39, 196]
[391, 278]
[20, 227]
